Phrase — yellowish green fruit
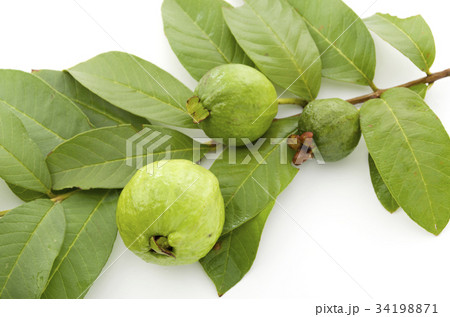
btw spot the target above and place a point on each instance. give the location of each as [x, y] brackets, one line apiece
[171, 212]
[335, 125]
[234, 102]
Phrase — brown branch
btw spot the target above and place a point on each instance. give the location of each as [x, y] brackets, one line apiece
[425, 80]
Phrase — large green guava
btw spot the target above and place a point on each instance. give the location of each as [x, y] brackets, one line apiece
[234, 102]
[171, 212]
[335, 125]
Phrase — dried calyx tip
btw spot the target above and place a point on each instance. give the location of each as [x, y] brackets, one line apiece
[160, 245]
[304, 146]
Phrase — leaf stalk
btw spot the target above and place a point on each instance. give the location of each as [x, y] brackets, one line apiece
[62, 197]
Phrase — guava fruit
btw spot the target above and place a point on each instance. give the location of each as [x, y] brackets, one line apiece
[234, 102]
[171, 212]
[335, 126]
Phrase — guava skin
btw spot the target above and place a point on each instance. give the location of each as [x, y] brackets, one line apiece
[241, 100]
[177, 200]
[335, 125]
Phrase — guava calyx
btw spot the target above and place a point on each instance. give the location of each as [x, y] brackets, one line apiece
[196, 110]
[160, 245]
[303, 145]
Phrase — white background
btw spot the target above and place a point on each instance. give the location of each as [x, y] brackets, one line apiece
[342, 247]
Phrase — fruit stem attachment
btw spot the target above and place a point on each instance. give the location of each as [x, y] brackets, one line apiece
[160, 245]
[429, 79]
[292, 101]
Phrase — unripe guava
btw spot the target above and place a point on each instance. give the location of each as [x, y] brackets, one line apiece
[234, 101]
[171, 212]
[335, 125]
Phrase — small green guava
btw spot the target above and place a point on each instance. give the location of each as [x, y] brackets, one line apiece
[335, 125]
[234, 102]
[171, 212]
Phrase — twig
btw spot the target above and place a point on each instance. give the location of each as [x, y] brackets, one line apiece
[425, 80]
[430, 79]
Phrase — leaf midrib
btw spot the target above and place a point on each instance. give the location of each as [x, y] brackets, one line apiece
[205, 34]
[26, 167]
[131, 88]
[118, 160]
[257, 165]
[33, 119]
[332, 44]
[299, 70]
[415, 160]
[76, 238]
[24, 247]
[410, 38]
[98, 111]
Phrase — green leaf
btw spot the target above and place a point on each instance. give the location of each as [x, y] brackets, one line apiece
[136, 86]
[250, 183]
[49, 117]
[28, 195]
[347, 48]
[411, 150]
[31, 237]
[198, 35]
[411, 36]
[234, 254]
[420, 89]
[21, 161]
[25, 194]
[90, 235]
[102, 158]
[100, 112]
[277, 39]
[381, 190]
